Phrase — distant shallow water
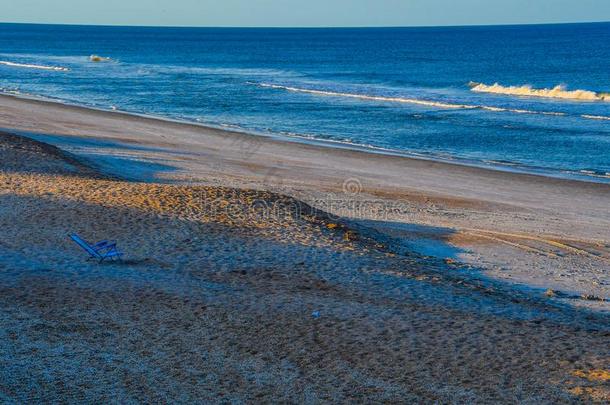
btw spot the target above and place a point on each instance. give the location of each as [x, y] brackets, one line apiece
[527, 98]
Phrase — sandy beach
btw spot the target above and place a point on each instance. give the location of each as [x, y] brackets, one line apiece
[262, 269]
[527, 230]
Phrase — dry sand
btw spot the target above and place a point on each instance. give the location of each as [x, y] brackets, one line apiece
[214, 301]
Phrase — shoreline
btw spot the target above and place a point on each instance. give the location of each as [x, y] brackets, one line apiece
[485, 164]
[254, 140]
[211, 275]
[525, 229]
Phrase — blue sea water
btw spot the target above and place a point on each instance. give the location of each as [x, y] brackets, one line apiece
[406, 90]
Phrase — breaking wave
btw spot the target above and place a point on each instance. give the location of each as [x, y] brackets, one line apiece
[428, 103]
[556, 92]
[27, 66]
[368, 97]
[596, 117]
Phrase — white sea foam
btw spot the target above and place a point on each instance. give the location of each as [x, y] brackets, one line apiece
[373, 98]
[559, 91]
[10, 91]
[596, 117]
[428, 103]
[595, 173]
[28, 66]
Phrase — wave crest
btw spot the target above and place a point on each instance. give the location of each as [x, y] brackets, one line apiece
[428, 103]
[559, 91]
[41, 67]
[368, 97]
[596, 117]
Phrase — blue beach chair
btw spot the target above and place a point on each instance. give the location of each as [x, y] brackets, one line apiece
[100, 251]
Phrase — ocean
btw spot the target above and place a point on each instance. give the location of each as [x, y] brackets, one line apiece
[524, 98]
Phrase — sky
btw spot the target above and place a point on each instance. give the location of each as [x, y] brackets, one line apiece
[303, 13]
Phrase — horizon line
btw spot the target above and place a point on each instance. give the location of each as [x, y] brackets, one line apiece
[309, 26]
